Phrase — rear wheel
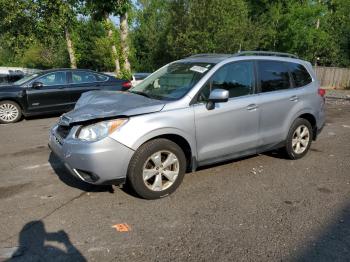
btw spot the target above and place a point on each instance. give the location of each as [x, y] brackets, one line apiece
[299, 139]
[157, 169]
[10, 112]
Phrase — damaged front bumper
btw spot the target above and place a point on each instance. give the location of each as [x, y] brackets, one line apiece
[103, 162]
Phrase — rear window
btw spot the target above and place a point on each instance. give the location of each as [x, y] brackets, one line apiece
[101, 78]
[273, 76]
[300, 75]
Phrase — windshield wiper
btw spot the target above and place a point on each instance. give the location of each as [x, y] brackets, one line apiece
[141, 94]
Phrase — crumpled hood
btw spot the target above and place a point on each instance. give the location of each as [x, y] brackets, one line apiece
[106, 104]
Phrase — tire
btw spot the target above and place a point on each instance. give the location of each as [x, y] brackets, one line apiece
[296, 136]
[156, 169]
[10, 112]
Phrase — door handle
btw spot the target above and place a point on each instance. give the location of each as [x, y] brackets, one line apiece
[252, 107]
[294, 98]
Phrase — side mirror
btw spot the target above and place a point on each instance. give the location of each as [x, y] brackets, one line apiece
[217, 96]
[37, 85]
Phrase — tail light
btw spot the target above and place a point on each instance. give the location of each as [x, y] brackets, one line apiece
[126, 85]
[321, 92]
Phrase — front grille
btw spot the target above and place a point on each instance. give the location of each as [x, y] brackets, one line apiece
[63, 131]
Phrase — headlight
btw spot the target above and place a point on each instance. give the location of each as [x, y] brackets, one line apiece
[100, 130]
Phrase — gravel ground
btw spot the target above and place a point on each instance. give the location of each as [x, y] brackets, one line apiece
[260, 208]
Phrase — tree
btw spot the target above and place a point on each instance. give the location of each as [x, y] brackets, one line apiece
[93, 45]
[25, 24]
[102, 10]
[18, 23]
[170, 30]
[149, 35]
[61, 16]
[298, 27]
[337, 25]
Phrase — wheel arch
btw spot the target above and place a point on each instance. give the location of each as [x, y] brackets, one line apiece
[182, 142]
[312, 120]
[12, 99]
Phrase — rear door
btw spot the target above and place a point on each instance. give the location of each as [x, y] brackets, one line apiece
[53, 96]
[231, 128]
[84, 81]
[276, 99]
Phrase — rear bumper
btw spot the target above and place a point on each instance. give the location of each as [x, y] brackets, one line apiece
[100, 163]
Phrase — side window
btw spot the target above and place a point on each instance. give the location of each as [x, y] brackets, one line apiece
[273, 76]
[237, 78]
[300, 75]
[57, 78]
[101, 78]
[80, 77]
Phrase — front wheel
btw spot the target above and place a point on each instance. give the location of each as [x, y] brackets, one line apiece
[10, 112]
[299, 139]
[157, 169]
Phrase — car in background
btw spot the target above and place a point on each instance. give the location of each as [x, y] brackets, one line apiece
[138, 78]
[52, 91]
[10, 76]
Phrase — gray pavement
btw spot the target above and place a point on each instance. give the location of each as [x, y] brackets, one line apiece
[260, 208]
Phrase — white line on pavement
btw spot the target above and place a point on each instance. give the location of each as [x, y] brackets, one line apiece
[36, 166]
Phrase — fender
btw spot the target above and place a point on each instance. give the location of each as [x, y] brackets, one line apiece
[294, 115]
[15, 94]
[167, 131]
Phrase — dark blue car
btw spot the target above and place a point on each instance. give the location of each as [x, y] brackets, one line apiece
[52, 91]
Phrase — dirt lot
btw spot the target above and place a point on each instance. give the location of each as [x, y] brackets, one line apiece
[261, 208]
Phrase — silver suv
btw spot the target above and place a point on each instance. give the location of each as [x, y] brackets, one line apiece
[193, 112]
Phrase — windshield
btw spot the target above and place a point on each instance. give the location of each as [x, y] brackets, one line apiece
[25, 79]
[172, 81]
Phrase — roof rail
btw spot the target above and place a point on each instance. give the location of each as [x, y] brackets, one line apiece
[209, 55]
[265, 53]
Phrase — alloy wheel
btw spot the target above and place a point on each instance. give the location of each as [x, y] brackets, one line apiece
[160, 170]
[8, 112]
[301, 139]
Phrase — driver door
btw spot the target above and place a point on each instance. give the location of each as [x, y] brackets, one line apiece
[53, 96]
[231, 128]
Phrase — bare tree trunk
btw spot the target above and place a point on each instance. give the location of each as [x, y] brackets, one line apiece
[70, 48]
[124, 30]
[114, 49]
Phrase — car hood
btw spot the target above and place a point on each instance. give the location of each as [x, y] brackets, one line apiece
[106, 104]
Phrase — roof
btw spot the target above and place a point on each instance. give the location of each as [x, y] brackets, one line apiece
[207, 58]
[65, 69]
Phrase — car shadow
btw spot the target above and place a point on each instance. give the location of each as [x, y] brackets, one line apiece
[277, 153]
[226, 162]
[34, 245]
[66, 177]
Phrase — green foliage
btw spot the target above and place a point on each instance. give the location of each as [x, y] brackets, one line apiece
[39, 56]
[217, 26]
[338, 27]
[99, 9]
[32, 31]
[92, 46]
[149, 37]
[169, 30]
[297, 27]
